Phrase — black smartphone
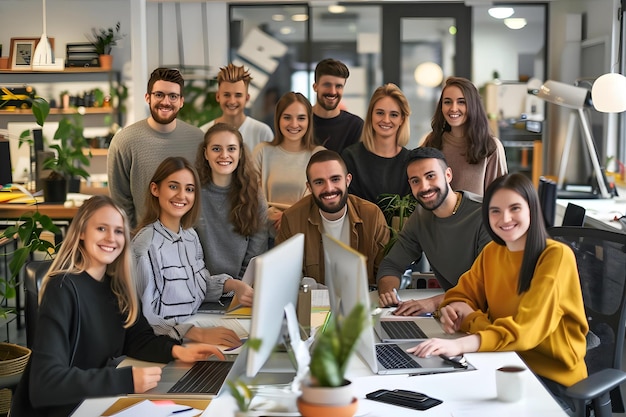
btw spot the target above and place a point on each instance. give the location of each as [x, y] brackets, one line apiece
[404, 398]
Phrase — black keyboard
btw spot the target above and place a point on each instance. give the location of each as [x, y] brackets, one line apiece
[403, 329]
[204, 377]
[393, 357]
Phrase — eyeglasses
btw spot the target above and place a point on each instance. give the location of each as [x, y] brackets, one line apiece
[159, 95]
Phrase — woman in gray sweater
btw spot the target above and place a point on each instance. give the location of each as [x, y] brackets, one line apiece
[232, 226]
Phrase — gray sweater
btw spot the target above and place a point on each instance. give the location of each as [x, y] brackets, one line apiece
[135, 153]
[226, 251]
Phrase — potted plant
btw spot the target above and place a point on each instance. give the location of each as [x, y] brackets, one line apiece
[396, 210]
[103, 40]
[327, 391]
[67, 164]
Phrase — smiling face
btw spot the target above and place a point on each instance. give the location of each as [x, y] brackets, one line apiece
[162, 108]
[509, 218]
[176, 194]
[222, 152]
[328, 184]
[329, 91]
[294, 122]
[103, 240]
[429, 182]
[386, 118]
[232, 98]
[454, 109]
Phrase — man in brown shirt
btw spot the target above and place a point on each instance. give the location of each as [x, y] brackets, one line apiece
[330, 209]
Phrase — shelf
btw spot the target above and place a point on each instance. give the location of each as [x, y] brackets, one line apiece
[65, 71]
[88, 110]
[96, 151]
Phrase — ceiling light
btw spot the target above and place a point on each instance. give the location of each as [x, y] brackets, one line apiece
[607, 93]
[501, 12]
[428, 74]
[515, 22]
[286, 30]
[278, 17]
[336, 8]
[300, 17]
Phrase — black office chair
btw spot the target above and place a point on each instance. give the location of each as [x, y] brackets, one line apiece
[601, 259]
[547, 200]
[34, 273]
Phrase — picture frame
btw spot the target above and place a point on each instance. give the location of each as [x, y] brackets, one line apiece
[21, 53]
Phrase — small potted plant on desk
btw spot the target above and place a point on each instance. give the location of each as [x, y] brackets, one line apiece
[67, 164]
[103, 40]
[328, 393]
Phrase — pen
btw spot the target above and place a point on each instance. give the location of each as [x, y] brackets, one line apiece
[182, 410]
[397, 295]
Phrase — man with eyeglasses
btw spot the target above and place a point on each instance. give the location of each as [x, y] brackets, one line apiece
[232, 95]
[137, 150]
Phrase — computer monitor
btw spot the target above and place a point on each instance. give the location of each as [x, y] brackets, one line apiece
[276, 283]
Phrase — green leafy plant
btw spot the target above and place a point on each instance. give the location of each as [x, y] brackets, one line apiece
[200, 104]
[333, 348]
[103, 40]
[241, 393]
[69, 159]
[395, 207]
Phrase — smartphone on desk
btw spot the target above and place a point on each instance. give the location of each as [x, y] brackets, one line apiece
[404, 398]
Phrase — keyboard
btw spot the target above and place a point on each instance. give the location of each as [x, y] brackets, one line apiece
[403, 330]
[393, 357]
[204, 377]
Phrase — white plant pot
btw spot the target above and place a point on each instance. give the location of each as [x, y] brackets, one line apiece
[341, 395]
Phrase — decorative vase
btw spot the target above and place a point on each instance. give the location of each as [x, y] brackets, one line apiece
[106, 62]
[55, 190]
[13, 360]
[335, 396]
[321, 410]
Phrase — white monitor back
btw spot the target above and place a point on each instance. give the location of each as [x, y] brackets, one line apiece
[345, 272]
[278, 273]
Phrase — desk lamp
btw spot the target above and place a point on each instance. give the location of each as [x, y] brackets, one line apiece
[575, 98]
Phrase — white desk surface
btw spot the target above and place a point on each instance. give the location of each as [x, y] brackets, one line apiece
[599, 212]
[464, 394]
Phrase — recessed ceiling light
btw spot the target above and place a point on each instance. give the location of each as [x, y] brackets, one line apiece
[515, 22]
[286, 30]
[300, 17]
[501, 12]
[278, 17]
[336, 8]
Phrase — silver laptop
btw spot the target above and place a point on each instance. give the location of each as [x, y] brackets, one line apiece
[346, 277]
[406, 329]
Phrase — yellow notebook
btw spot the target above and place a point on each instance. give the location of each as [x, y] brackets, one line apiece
[235, 309]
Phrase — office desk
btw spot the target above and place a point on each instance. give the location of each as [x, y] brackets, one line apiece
[599, 212]
[54, 211]
[464, 394]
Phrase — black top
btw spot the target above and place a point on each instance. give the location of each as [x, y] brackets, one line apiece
[337, 133]
[373, 175]
[59, 386]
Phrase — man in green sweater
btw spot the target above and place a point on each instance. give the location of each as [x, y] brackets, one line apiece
[138, 149]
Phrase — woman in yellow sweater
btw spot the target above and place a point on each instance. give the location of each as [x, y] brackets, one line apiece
[521, 294]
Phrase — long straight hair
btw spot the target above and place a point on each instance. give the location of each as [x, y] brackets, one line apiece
[244, 190]
[404, 132]
[285, 101]
[480, 142]
[166, 168]
[72, 258]
[536, 236]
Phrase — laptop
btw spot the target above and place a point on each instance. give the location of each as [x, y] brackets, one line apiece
[406, 329]
[223, 305]
[346, 277]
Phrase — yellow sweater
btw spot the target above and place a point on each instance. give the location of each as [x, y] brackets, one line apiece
[546, 325]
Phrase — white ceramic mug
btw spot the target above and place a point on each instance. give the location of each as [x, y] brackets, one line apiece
[510, 383]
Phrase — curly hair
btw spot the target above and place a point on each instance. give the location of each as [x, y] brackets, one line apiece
[404, 133]
[244, 189]
[480, 144]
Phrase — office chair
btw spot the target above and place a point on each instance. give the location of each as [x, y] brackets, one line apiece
[601, 260]
[34, 272]
[574, 215]
[547, 200]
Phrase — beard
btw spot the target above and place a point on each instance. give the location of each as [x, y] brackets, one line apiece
[437, 202]
[343, 198]
[322, 102]
[163, 120]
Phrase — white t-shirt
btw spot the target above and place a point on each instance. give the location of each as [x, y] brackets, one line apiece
[252, 131]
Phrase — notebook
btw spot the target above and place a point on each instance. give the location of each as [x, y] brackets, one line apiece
[346, 277]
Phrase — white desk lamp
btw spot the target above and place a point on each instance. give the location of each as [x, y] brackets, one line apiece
[575, 98]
